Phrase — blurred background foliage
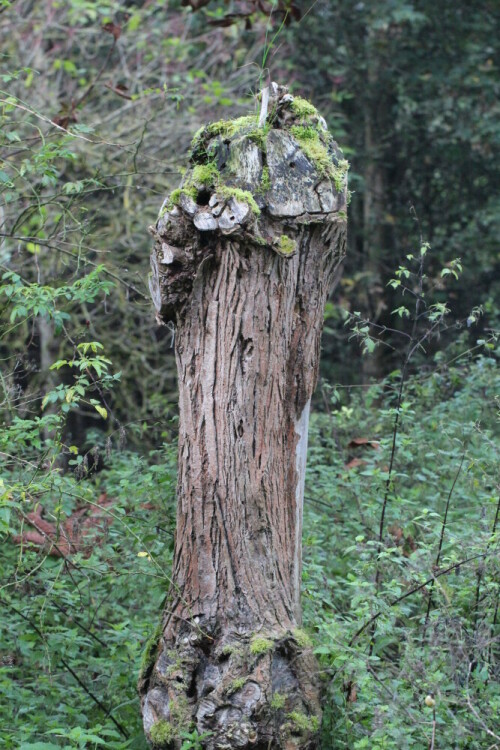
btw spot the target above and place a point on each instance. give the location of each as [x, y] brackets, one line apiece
[98, 105]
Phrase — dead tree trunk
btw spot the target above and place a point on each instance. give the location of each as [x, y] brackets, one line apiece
[245, 254]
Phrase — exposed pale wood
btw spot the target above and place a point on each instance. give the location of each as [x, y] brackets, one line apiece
[263, 107]
[154, 284]
[205, 222]
[235, 215]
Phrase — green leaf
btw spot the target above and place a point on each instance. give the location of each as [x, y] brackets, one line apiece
[102, 411]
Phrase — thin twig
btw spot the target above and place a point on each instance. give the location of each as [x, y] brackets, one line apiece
[103, 67]
[60, 249]
[414, 591]
[81, 137]
[441, 539]
[433, 738]
[495, 615]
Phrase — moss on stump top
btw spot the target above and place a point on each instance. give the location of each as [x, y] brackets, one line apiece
[283, 162]
[260, 180]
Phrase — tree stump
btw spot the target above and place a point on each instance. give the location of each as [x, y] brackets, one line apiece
[245, 254]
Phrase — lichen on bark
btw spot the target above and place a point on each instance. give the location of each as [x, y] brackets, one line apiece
[245, 254]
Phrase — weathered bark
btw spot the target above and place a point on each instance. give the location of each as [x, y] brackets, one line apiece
[246, 290]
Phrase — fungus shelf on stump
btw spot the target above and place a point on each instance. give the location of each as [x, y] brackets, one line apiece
[245, 254]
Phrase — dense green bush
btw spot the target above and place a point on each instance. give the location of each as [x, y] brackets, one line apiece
[73, 630]
[431, 625]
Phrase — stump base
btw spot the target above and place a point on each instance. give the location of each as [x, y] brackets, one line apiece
[239, 690]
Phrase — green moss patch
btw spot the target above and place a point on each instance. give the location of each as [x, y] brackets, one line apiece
[314, 145]
[302, 638]
[231, 648]
[247, 126]
[162, 734]
[175, 195]
[339, 175]
[259, 136]
[244, 196]
[265, 180]
[225, 129]
[204, 175]
[149, 653]
[208, 176]
[260, 645]
[180, 712]
[231, 127]
[304, 723]
[287, 246]
[302, 108]
[259, 240]
[237, 684]
[278, 701]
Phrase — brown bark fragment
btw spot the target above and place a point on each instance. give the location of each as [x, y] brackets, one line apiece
[246, 291]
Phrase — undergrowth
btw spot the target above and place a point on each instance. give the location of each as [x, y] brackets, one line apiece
[73, 631]
[377, 681]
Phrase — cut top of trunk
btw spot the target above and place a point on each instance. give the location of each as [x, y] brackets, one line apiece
[247, 178]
